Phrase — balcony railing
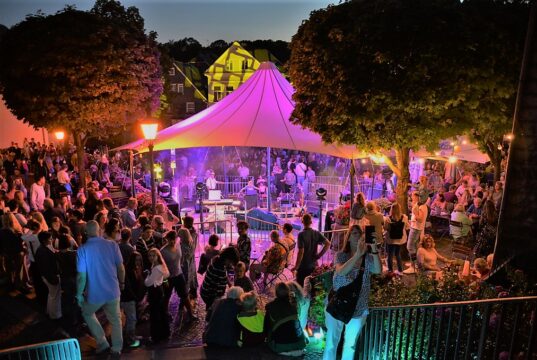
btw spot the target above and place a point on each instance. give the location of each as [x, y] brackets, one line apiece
[484, 329]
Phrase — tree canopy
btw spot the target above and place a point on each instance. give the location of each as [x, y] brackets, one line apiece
[90, 73]
[396, 74]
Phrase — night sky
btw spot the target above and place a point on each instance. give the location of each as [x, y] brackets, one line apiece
[204, 20]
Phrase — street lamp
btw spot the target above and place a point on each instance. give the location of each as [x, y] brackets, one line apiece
[60, 135]
[150, 133]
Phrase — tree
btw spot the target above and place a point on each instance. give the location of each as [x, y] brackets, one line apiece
[497, 31]
[386, 74]
[183, 50]
[89, 73]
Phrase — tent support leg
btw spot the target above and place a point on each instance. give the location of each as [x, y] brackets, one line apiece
[269, 182]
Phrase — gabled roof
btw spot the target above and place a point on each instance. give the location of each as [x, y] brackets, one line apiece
[235, 49]
[256, 114]
[193, 75]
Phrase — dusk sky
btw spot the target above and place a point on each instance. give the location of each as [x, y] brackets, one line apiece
[204, 20]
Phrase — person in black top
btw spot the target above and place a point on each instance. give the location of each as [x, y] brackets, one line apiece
[46, 261]
[67, 266]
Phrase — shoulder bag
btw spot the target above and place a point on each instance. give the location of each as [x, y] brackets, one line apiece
[342, 303]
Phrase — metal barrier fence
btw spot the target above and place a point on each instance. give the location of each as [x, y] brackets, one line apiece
[54, 350]
[485, 329]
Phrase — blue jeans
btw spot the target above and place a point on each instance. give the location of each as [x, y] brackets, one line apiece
[129, 308]
[394, 249]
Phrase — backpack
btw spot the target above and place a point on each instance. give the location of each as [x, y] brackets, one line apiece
[396, 229]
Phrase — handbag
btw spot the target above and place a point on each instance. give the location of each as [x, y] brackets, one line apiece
[342, 303]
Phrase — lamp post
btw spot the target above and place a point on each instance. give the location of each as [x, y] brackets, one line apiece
[150, 133]
[60, 135]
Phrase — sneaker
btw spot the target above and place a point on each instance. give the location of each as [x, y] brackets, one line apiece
[410, 271]
[134, 344]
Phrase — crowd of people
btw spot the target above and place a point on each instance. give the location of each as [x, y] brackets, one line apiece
[80, 253]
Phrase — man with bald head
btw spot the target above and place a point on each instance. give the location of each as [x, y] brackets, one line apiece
[101, 277]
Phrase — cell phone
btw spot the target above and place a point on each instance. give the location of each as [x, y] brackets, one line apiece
[370, 234]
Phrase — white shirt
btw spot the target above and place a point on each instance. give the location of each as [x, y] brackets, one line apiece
[243, 171]
[37, 197]
[157, 276]
[63, 177]
[414, 223]
[210, 183]
[300, 169]
[460, 190]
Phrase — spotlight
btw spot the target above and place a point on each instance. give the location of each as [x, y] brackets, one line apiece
[200, 187]
[164, 189]
[321, 193]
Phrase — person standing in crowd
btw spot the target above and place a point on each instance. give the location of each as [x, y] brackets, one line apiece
[45, 259]
[244, 244]
[171, 253]
[348, 263]
[300, 171]
[289, 241]
[192, 279]
[125, 246]
[417, 227]
[158, 310]
[358, 208]
[66, 258]
[145, 243]
[32, 244]
[37, 194]
[128, 214]
[131, 295]
[12, 247]
[100, 278]
[215, 280]
[396, 226]
[308, 241]
[211, 250]
[375, 219]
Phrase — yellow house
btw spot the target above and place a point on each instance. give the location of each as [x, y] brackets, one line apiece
[229, 71]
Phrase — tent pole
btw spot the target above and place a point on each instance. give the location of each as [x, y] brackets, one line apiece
[352, 172]
[269, 194]
[131, 166]
[225, 173]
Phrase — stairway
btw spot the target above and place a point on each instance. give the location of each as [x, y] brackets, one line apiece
[518, 215]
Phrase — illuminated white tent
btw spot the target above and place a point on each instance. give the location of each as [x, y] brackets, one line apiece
[256, 114]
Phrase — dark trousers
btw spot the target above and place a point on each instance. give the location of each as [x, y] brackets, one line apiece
[41, 290]
[394, 250]
[158, 314]
[301, 274]
[179, 284]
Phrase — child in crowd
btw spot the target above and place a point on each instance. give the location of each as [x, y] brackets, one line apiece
[211, 251]
[241, 279]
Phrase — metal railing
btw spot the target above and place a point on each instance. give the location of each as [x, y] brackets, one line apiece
[54, 350]
[483, 329]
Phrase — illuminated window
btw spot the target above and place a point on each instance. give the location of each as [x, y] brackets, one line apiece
[244, 64]
[173, 87]
[171, 71]
[190, 107]
[181, 89]
[229, 90]
[218, 95]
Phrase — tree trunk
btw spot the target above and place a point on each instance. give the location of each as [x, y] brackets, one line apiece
[400, 168]
[497, 163]
[79, 143]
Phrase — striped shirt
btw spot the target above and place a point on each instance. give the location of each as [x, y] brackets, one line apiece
[215, 280]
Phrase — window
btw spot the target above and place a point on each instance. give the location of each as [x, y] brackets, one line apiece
[190, 107]
[171, 71]
[218, 95]
[173, 87]
[229, 65]
[229, 90]
[181, 88]
[244, 64]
